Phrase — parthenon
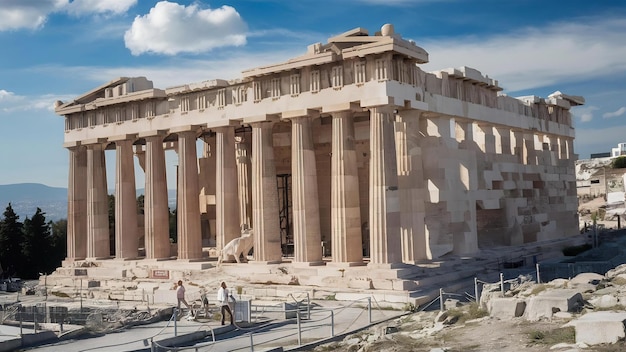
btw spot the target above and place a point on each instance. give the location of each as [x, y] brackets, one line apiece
[349, 155]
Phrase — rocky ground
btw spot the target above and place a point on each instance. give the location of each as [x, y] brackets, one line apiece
[470, 328]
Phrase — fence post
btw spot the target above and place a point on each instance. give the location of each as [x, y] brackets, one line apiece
[441, 299]
[175, 322]
[502, 284]
[308, 306]
[476, 291]
[299, 327]
[369, 309]
[538, 277]
[332, 323]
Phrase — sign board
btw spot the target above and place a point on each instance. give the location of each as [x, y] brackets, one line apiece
[160, 274]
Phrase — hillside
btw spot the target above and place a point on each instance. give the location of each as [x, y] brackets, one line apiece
[25, 198]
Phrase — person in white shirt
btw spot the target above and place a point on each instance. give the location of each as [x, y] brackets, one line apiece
[222, 298]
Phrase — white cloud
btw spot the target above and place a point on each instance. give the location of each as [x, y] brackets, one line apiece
[171, 28]
[176, 71]
[531, 58]
[20, 14]
[617, 113]
[10, 102]
[81, 7]
[584, 113]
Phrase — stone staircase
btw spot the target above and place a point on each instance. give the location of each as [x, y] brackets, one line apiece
[151, 281]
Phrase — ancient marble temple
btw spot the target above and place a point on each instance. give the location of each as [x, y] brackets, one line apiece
[348, 154]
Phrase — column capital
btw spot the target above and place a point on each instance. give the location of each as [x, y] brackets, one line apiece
[349, 107]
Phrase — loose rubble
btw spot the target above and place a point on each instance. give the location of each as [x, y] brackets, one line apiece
[585, 313]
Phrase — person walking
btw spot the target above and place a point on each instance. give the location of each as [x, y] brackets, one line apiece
[222, 297]
[180, 296]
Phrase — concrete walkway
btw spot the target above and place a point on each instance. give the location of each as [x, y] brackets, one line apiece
[271, 332]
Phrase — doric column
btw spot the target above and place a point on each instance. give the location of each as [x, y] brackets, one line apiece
[242, 147]
[264, 195]
[226, 199]
[384, 212]
[156, 212]
[306, 212]
[503, 143]
[485, 138]
[519, 149]
[77, 204]
[346, 236]
[189, 237]
[126, 241]
[411, 184]
[98, 243]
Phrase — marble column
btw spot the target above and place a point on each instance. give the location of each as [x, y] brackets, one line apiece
[77, 204]
[384, 212]
[503, 144]
[156, 211]
[189, 236]
[226, 198]
[242, 146]
[411, 184]
[264, 195]
[519, 148]
[98, 243]
[126, 240]
[306, 212]
[346, 233]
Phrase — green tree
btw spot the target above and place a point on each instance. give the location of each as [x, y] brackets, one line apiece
[173, 226]
[10, 242]
[112, 224]
[58, 243]
[36, 245]
[619, 162]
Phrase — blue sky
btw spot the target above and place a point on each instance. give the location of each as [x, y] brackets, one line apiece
[58, 49]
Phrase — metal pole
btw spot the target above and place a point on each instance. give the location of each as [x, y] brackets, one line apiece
[175, 322]
[308, 306]
[45, 285]
[441, 299]
[299, 328]
[369, 309]
[251, 343]
[502, 284]
[332, 323]
[152, 347]
[80, 293]
[538, 277]
[476, 291]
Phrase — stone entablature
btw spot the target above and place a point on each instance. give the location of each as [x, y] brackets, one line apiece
[409, 164]
[375, 77]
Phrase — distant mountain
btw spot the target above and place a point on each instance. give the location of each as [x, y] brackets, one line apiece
[25, 198]
[31, 191]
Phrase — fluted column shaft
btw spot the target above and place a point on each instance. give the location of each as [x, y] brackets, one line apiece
[226, 198]
[264, 195]
[156, 212]
[384, 212]
[126, 241]
[189, 236]
[242, 147]
[306, 211]
[77, 204]
[411, 184]
[98, 243]
[345, 206]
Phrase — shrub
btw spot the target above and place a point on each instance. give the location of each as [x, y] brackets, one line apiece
[573, 251]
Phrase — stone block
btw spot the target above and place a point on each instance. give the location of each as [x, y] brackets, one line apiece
[599, 327]
[506, 308]
[549, 302]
